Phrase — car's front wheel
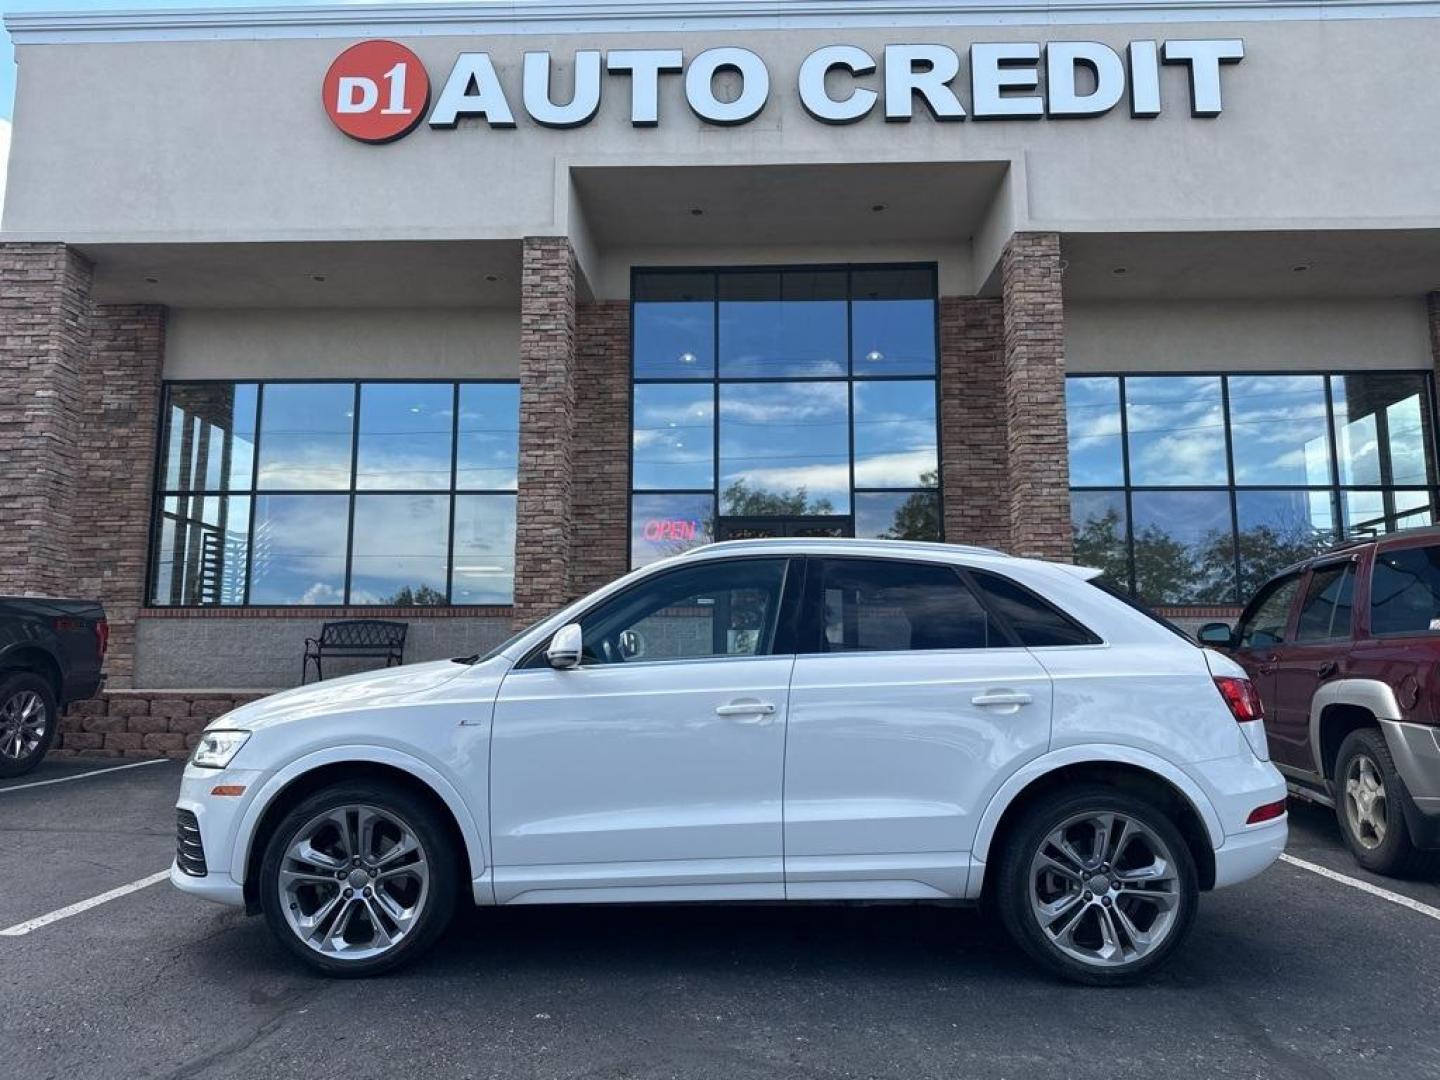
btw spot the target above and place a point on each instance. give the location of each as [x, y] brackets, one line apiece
[27, 721]
[1097, 885]
[359, 878]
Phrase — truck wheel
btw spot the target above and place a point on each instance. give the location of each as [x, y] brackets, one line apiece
[27, 721]
[1097, 885]
[359, 878]
[1370, 802]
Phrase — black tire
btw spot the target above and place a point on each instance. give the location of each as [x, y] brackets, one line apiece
[1394, 855]
[12, 686]
[441, 859]
[1012, 894]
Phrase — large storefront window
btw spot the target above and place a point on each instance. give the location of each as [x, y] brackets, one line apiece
[1195, 488]
[783, 402]
[302, 493]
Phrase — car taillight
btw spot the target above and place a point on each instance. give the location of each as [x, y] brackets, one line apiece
[102, 636]
[1240, 697]
[1269, 812]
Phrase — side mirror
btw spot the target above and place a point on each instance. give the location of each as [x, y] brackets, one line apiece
[565, 647]
[1215, 633]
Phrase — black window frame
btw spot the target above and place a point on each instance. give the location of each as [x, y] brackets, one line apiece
[253, 492]
[716, 380]
[1334, 490]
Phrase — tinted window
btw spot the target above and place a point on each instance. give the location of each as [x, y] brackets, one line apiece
[1404, 591]
[1034, 622]
[1264, 623]
[710, 609]
[876, 606]
[1329, 599]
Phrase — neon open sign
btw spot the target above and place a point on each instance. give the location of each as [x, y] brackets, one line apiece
[662, 529]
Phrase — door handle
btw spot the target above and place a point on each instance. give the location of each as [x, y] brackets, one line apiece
[1002, 697]
[1268, 664]
[1326, 669]
[745, 708]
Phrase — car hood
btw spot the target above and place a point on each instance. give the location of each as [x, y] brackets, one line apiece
[340, 695]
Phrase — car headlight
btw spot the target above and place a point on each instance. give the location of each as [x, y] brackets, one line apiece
[216, 749]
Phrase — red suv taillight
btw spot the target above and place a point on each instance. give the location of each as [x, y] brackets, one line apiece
[1240, 697]
[102, 636]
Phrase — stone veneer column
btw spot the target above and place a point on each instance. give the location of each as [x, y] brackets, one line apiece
[974, 462]
[1034, 352]
[79, 400]
[120, 413]
[601, 551]
[545, 526]
[44, 338]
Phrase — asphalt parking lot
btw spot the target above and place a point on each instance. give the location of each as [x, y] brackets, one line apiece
[1292, 975]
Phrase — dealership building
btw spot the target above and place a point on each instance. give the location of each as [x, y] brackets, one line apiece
[450, 313]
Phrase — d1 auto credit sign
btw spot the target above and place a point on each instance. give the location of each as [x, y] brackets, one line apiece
[377, 91]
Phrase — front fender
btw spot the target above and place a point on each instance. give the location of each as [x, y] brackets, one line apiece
[1098, 754]
[362, 754]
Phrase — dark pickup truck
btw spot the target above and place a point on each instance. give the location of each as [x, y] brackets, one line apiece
[50, 655]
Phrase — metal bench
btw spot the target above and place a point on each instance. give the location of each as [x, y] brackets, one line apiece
[355, 637]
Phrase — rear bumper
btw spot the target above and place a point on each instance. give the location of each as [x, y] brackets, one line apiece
[1243, 856]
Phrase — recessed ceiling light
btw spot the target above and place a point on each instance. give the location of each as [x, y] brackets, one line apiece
[1120, 270]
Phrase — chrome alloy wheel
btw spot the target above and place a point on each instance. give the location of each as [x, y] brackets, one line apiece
[1366, 807]
[1104, 889]
[23, 723]
[354, 882]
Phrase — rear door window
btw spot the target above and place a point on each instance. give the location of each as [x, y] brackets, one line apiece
[1328, 605]
[879, 605]
[1263, 624]
[1405, 591]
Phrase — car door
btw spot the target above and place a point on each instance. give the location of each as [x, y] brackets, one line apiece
[1263, 629]
[652, 770]
[908, 699]
[1322, 639]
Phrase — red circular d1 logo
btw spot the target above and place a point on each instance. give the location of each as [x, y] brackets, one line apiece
[376, 91]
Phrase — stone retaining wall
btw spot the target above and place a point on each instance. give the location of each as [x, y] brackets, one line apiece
[144, 723]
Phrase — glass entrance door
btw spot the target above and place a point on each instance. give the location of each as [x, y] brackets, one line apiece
[765, 528]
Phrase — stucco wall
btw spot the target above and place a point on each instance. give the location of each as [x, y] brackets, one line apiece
[327, 343]
[1299, 144]
[1329, 335]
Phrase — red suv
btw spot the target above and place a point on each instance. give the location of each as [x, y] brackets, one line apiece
[1345, 651]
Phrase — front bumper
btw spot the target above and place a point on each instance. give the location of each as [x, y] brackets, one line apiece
[218, 817]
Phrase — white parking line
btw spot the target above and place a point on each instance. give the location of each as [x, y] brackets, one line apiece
[1364, 886]
[20, 929]
[83, 775]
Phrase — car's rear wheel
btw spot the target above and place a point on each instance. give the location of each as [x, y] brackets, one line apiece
[1370, 805]
[27, 721]
[359, 879]
[1097, 885]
